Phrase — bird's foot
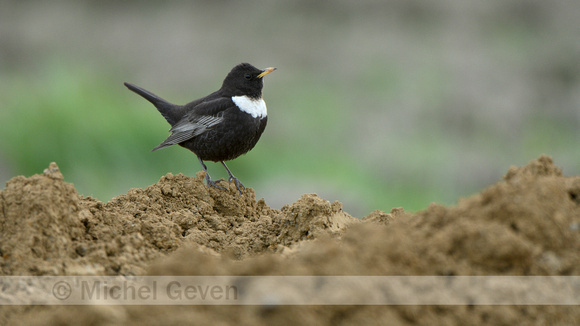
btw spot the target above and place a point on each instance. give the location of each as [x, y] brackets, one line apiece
[211, 183]
[238, 183]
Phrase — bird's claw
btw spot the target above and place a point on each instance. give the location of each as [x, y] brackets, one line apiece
[211, 183]
[238, 184]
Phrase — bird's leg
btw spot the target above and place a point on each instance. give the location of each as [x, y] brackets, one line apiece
[238, 183]
[210, 183]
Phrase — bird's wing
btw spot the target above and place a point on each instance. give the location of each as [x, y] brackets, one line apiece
[202, 117]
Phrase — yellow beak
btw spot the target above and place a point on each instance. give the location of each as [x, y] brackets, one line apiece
[266, 71]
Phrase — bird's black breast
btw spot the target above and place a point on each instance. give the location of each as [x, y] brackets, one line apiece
[235, 135]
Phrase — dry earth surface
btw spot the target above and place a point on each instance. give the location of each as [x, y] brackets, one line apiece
[526, 224]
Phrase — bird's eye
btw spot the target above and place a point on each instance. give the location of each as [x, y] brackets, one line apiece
[248, 76]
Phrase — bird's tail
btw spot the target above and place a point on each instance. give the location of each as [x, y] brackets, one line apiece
[168, 110]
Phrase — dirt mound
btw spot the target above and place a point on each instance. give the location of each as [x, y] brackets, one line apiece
[49, 229]
[527, 224]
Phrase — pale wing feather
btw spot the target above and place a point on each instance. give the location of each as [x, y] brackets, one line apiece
[187, 129]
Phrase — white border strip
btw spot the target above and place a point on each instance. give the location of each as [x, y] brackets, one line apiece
[290, 290]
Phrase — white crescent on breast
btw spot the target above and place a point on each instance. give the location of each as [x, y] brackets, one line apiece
[254, 107]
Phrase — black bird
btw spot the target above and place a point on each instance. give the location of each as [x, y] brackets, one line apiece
[221, 126]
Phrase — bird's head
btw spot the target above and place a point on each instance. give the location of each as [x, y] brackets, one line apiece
[245, 79]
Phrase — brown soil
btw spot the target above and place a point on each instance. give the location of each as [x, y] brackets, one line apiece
[526, 224]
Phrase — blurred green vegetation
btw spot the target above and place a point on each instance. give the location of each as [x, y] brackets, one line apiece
[101, 135]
